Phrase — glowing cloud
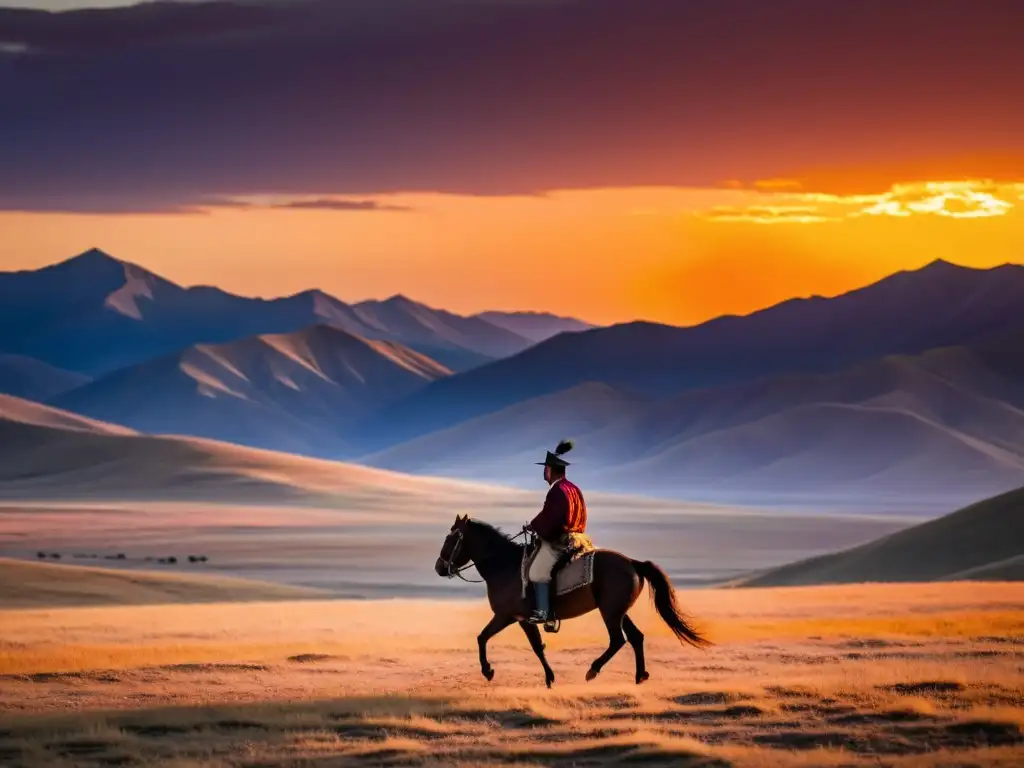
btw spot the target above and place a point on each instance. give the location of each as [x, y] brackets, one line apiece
[769, 214]
[774, 202]
[955, 199]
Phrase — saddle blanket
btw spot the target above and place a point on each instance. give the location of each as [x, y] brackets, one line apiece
[578, 573]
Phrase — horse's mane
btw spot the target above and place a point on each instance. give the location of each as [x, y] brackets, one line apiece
[495, 535]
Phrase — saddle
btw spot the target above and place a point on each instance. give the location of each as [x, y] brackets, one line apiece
[573, 570]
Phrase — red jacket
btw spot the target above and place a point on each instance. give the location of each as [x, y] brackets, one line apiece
[564, 512]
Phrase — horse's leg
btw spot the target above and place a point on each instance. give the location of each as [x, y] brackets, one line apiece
[613, 597]
[533, 635]
[636, 639]
[613, 622]
[494, 626]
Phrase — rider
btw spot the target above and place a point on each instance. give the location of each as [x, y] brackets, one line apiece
[563, 518]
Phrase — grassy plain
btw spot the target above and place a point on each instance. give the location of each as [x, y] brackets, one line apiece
[894, 675]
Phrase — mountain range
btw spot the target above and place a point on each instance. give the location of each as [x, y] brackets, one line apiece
[295, 392]
[535, 326]
[948, 421]
[911, 387]
[909, 312]
[92, 314]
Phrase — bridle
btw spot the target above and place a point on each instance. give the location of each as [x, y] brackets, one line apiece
[449, 562]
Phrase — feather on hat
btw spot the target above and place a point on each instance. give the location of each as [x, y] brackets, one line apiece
[555, 459]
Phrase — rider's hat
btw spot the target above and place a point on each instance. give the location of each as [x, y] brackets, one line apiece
[555, 459]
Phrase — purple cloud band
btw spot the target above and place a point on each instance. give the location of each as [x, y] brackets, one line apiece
[160, 105]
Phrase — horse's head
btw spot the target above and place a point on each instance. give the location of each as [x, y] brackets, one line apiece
[454, 554]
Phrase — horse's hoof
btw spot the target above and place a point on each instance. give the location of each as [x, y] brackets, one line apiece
[549, 680]
[488, 673]
[642, 677]
[591, 674]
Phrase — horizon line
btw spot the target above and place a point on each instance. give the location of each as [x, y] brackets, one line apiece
[637, 320]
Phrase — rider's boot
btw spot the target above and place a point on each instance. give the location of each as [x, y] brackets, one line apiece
[542, 605]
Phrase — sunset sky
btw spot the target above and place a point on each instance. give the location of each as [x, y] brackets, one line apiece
[653, 159]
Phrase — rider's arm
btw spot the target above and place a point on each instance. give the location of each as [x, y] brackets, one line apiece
[550, 521]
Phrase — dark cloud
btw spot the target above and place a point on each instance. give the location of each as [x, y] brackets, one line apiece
[169, 102]
[84, 202]
[61, 203]
[137, 26]
[326, 204]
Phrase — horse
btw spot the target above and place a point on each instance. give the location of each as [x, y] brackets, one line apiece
[616, 585]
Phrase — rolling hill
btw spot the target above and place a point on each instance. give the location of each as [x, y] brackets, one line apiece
[828, 451]
[948, 421]
[906, 313]
[984, 541]
[93, 314]
[35, 380]
[945, 424]
[504, 446]
[48, 454]
[293, 392]
[20, 418]
[45, 585]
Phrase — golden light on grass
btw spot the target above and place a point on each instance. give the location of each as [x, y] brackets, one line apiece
[919, 675]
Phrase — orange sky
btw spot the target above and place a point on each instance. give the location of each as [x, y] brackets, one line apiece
[664, 254]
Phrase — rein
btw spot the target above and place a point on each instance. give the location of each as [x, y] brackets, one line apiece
[452, 572]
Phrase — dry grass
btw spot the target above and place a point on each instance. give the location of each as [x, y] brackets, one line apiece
[874, 675]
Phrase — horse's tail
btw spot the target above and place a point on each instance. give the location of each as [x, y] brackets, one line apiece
[664, 597]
